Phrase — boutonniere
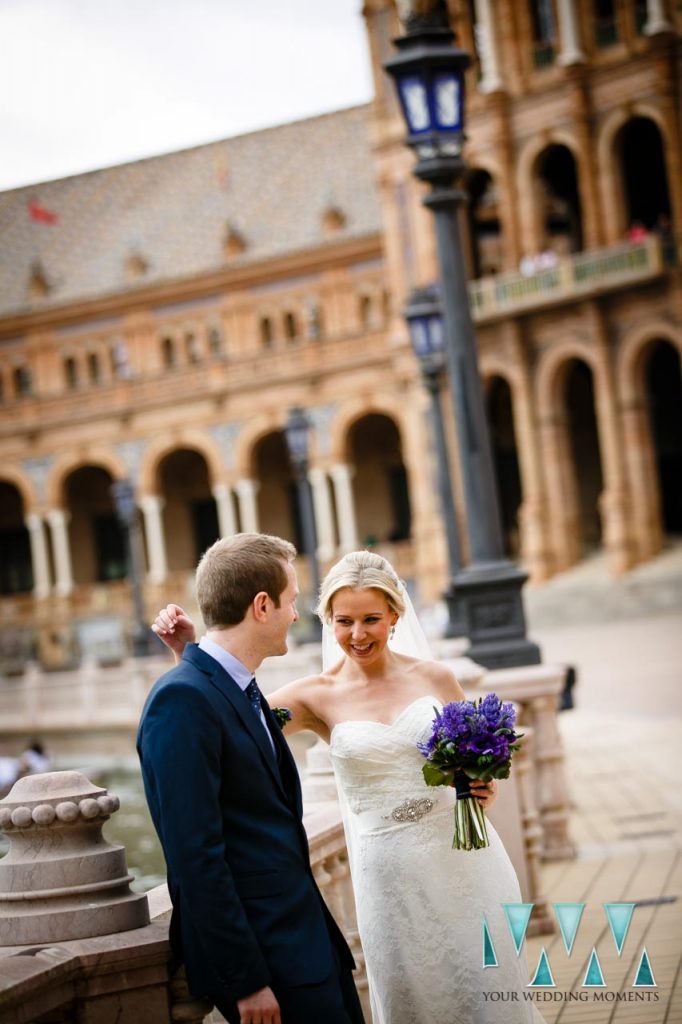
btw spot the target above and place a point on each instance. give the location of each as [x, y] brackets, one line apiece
[283, 715]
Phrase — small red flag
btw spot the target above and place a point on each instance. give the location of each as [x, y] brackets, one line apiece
[41, 214]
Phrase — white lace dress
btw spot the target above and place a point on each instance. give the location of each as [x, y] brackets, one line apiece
[420, 903]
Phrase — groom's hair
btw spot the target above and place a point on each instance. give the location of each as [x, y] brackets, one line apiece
[234, 569]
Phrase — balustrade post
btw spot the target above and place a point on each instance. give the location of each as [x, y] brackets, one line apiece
[542, 922]
[551, 791]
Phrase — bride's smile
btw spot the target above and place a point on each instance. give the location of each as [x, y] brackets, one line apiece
[362, 623]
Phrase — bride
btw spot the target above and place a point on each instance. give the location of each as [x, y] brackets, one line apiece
[420, 904]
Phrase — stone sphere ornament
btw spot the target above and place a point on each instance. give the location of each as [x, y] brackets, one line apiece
[61, 879]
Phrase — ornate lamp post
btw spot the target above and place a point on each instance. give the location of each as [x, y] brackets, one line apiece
[429, 75]
[425, 321]
[296, 432]
[123, 494]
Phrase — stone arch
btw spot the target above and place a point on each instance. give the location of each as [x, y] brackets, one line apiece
[194, 440]
[527, 160]
[550, 367]
[350, 412]
[248, 438]
[632, 352]
[608, 171]
[25, 487]
[380, 481]
[103, 458]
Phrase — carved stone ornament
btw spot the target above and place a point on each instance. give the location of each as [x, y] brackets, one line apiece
[61, 879]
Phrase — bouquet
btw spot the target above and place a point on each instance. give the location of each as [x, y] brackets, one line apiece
[470, 740]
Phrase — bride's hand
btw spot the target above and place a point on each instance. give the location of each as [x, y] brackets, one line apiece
[174, 628]
[485, 792]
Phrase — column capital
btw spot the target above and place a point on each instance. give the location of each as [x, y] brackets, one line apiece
[246, 486]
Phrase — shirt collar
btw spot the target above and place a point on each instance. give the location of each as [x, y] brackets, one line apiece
[239, 672]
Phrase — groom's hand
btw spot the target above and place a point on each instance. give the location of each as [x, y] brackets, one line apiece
[259, 1008]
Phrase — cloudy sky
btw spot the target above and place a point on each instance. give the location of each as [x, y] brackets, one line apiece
[89, 83]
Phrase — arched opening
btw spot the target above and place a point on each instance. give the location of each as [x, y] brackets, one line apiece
[639, 147]
[290, 326]
[71, 373]
[365, 311]
[190, 516]
[503, 439]
[16, 571]
[267, 336]
[605, 23]
[664, 399]
[560, 209]
[380, 484]
[96, 538]
[543, 29]
[486, 249]
[585, 452]
[278, 511]
[168, 354]
[94, 371]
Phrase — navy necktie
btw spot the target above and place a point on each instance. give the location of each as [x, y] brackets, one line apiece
[253, 693]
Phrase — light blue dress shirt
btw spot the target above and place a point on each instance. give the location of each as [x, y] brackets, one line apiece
[238, 671]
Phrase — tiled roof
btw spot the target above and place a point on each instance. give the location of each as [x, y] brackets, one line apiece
[174, 212]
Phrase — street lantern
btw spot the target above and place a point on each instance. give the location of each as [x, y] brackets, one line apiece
[296, 431]
[123, 495]
[429, 77]
[429, 74]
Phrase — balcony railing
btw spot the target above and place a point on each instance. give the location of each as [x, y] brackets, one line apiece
[584, 274]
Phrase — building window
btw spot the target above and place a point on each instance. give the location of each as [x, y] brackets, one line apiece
[290, 327]
[168, 355]
[266, 335]
[544, 32]
[365, 310]
[605, 23]
[94, 371]
[71, 373]
[215, 341]
[641, 16]
[192, 348]
[23, 385]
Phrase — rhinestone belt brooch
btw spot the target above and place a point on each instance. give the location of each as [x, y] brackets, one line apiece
[410, 810]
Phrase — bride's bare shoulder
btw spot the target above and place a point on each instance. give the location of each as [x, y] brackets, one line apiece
[441, 677]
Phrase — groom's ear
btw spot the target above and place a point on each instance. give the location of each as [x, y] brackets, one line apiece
[259, 606]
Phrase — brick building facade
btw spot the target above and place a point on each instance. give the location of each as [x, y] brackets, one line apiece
[159, 319]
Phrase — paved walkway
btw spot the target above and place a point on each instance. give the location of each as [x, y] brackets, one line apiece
[623, 745]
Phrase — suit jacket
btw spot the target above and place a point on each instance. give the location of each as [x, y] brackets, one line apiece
[246, 909]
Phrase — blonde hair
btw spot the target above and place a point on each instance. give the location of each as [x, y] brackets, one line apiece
[234, 569]
[360, 570]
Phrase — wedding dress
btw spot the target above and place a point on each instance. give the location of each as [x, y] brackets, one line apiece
[420, 904]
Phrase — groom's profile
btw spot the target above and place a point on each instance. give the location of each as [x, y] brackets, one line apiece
[248, 920]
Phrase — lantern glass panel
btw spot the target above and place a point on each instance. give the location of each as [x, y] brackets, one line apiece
[447, 92]
[420, 335]
[415, 103]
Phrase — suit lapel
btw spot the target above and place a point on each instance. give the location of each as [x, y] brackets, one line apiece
[240, 704]
[288, 768]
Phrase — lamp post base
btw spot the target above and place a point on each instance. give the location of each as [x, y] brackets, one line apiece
[486, 600]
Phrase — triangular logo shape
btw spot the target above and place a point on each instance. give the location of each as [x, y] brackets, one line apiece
[543, 974]
[619, 915]
[568, 915]
[489, 956]
[594, 977]
[518, 916]
[644, 976]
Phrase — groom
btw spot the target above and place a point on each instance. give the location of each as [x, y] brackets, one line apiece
[248, 920]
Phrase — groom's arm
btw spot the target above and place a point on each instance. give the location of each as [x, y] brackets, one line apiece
[180, 753]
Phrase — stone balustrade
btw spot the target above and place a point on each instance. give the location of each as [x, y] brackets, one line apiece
[578, 276]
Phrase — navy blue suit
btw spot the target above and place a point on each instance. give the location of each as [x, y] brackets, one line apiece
[246, 910]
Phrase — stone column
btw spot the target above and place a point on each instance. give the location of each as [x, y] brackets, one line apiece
[570, 33]
[41, 567]
[248, 510]
[227, 523]
[656, 20]
[58, 520]
[486, 44]
[151, 505]
[324, 518]
[563, 524]
[614, 505]
[640, 462]
[341, 475]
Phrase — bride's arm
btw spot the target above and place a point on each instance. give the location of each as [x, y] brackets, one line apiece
[296, 698]
[175, 629]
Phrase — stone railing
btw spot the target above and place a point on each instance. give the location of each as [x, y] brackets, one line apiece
[586, 273]
[109, 966]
